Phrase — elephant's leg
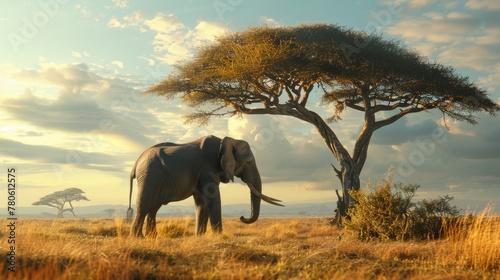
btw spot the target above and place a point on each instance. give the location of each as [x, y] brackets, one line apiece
[136, 229]
[216, 213]
[151, 222]
[201, 213]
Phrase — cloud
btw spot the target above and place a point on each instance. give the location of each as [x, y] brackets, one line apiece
[402, 131]
[151, 62]
[466, 36]
[77, 115]
[456, 127]
[316, 186]
[421, 3]
[29, 133]
[104, 125]
[115, 23]
[484, 58]
[134, 20]
[78, 100]
[117, 63]
[164, 23]
[84, 9]
[79, 54]
[470, 161]
[173, 41]
[53, 155]
[121, 3]
[169, 38]
[450, 4]
[206, 32]
[435, 27]
[490, 5]
[71, 77]
[481, 144]
[269, 22]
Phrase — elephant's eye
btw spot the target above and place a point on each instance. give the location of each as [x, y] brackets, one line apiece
[250, 159]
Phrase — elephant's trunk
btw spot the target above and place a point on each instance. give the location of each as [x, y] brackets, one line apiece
[255, 185]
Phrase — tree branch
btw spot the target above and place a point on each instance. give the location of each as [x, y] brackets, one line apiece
[354, 106]
[290, 94]
[271, 93]
[281, 109]
[378, 108]
[396, 117]
[303, 102]
[337, 172]
[327, 134]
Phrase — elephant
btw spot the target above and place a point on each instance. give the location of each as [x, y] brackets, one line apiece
[169, 172]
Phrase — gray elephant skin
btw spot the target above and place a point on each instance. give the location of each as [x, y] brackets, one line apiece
[169, 172]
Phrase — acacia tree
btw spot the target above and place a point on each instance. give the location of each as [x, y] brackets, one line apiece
[274, 71]
[58, 200]
[111, 212]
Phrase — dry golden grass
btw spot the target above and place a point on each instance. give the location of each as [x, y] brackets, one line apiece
[305, 248]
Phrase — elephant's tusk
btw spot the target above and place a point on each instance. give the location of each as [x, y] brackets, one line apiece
[271, 202]
[266, 198]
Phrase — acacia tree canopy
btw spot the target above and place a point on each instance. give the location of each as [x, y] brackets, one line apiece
[267, 70]
[58, 200]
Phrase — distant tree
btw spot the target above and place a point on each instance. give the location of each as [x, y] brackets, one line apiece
[59, 199]
[111, 212]
[275, 71]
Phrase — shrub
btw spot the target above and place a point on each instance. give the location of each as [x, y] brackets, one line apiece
[382, 213]
[386, 212]
[430, 217]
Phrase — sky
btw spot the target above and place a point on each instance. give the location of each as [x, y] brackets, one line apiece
[73, 112]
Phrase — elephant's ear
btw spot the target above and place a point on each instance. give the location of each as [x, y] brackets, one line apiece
[227, 161]
[243, 150]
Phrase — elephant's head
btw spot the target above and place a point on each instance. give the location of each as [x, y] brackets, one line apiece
[237, 160]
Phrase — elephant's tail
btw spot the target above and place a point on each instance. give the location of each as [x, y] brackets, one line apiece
[132, 176]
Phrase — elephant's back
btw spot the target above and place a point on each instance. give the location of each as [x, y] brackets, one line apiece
[173, 164]
[168, 156]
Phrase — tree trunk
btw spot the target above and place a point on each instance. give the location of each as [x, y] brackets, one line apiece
[349, 173]
[350, 181]
[71, 209]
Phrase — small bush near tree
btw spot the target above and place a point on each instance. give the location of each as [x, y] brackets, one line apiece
[430, 217]
[387, 212]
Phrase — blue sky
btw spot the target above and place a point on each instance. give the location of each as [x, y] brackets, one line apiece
[72, 113]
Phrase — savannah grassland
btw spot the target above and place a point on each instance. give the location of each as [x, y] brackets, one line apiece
[271, 248]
